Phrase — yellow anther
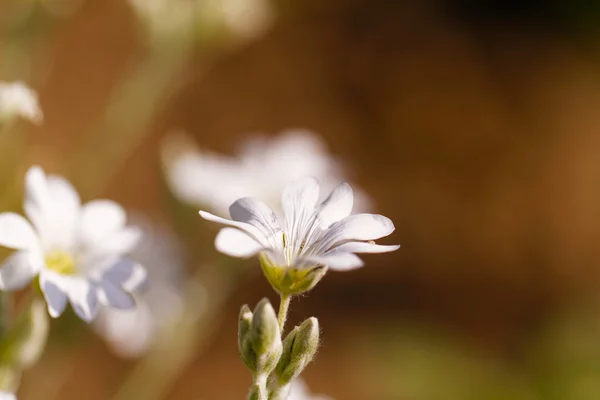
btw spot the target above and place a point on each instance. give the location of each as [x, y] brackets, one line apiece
[60, 261]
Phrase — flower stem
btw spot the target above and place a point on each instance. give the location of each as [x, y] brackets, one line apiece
[284, 305]
[258, 390]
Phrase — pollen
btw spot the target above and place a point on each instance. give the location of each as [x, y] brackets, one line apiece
[60, 261]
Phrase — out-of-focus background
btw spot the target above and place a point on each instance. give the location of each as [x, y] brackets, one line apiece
[473, 125]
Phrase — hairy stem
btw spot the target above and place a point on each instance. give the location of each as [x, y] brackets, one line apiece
[284, 305]
[258, 390]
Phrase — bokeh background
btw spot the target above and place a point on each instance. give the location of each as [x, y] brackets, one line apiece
[473, 125]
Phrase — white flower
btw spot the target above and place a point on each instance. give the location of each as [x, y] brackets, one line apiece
[7, 396]
[130, 333]
[300, 391]
[310, 236]
[165, 18]
[75, 250]
[245, 18]
[263, 167]
[16, 99]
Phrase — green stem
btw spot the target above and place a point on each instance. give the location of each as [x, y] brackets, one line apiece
[284, 305]
[258, 390]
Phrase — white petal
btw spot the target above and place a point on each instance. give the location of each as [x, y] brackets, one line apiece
[53, 288]
[298, 201]
[16, 232]
[19, 270]
[36, 190]
[364, 247]
[7, 396]
[336, 260]
[256, 213]
[58, 216]
[353, 228]
[337, 206]
[251, 230]
[62, 192]
[125, 273]
[83, 297]
[137, 279]
[235, 243]
[112, 295]
[121, 242]
[100, 218]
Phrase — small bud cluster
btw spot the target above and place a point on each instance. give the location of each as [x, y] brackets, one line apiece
[274, 363]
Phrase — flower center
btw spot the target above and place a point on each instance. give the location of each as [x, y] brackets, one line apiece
[60, 261]
[292, 250]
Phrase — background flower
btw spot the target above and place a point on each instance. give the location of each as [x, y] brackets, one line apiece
[301, 391]
[76, 250]
[261, 168]
[18, 100]
[130, 333]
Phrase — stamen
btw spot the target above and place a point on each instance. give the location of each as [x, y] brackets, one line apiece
[60, 261]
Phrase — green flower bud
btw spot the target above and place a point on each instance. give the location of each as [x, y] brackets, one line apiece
[24, 343]
[265, 337]
[288, 280]
[33, 334]
[299, 349]
[244, 344]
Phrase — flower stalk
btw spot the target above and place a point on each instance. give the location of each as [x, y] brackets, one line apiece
[284, 305]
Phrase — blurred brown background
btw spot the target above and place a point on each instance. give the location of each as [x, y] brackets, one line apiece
[474, 126]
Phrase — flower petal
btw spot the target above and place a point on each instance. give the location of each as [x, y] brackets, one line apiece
[118, 243]
[236, 243]
[19, 270]
[125, 273]
[7, 396]
[364, 247]
[112, 295]
[337, 206]
[36, 190]
[256, 213]
[83, 297]
[356, 227]
[336, 260]
[137, 279]
[298, 202]
[52, 286]
[251, 230]
[56, 216]
[100, 218]
[16, 232]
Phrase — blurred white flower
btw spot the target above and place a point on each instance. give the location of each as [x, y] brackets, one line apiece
[165, 18]
[7, 396]
[263, 167]
[245, 18]
[238, 19]
[311, 234]
[300, 391]
[77, 251]
[18, 100]
[130, 333]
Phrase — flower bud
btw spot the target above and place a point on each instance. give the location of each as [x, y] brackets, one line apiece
[244, 344]
[23, 344]
[288, 280]
[33, 334]
[265, 337]
[299, 349]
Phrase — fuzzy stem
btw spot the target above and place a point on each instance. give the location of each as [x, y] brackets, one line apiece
[284, 305]
[258, 390]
